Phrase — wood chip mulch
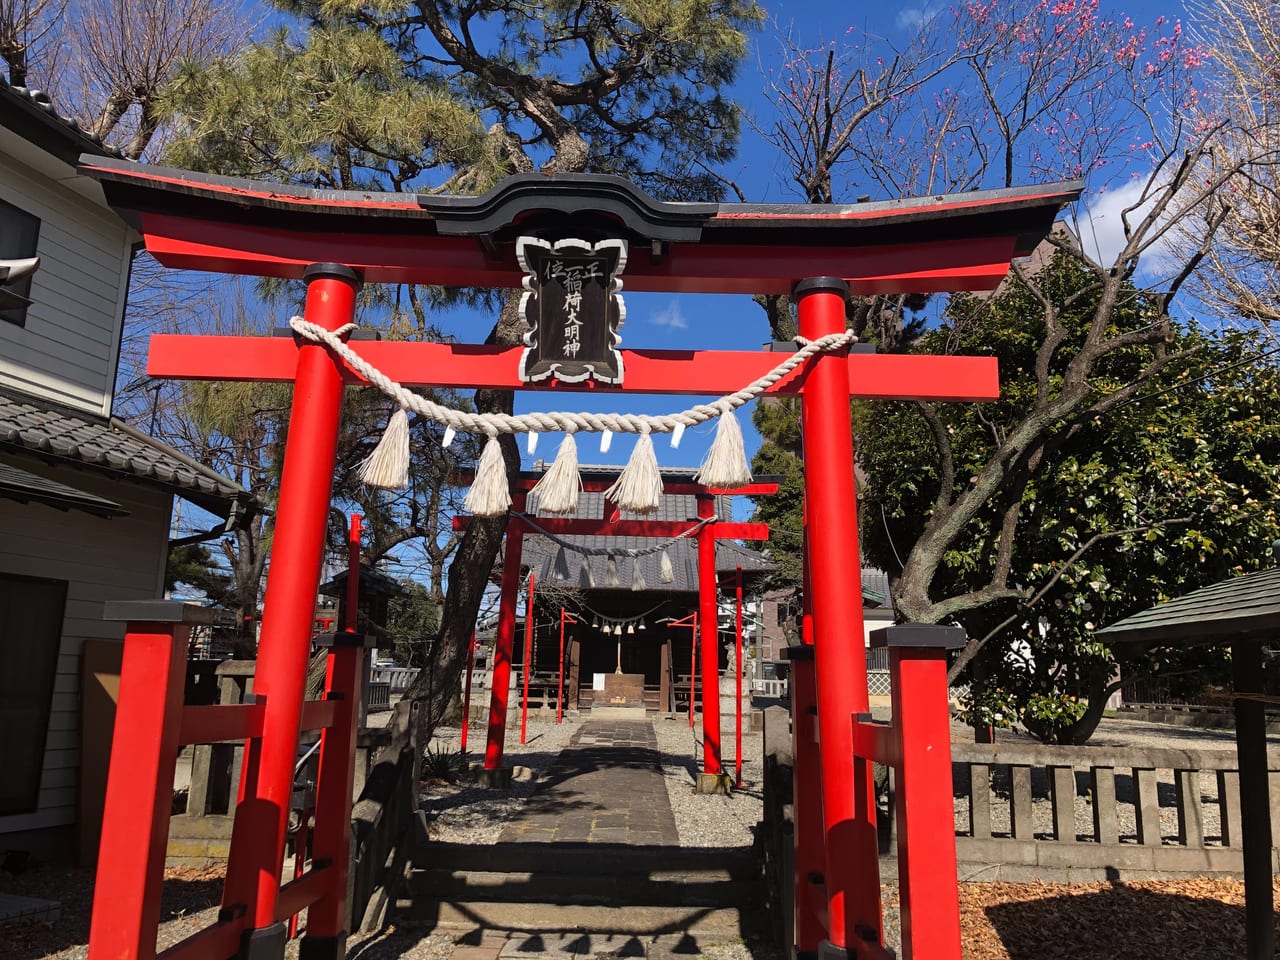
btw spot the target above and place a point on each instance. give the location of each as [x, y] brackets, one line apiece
[1200, 918]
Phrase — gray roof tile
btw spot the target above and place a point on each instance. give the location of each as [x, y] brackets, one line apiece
[36, 427]
[1240, 606]
[539, 551]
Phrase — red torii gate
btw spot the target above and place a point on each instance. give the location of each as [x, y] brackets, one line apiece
[335, 241]
[612, 524]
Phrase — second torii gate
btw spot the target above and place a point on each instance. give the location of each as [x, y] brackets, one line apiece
[612, 524]
[817, 254]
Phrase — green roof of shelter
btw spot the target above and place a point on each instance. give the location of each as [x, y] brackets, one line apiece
[1219, 613]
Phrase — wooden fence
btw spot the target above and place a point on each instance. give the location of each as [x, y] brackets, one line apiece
[1031, 811]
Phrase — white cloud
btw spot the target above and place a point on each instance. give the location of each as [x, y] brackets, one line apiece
[669, 316]
[1102, 226]
[910, 18]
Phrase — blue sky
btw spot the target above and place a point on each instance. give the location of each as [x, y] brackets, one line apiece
[734, 322]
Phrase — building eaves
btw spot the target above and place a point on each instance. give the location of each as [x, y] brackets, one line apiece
[58, 435]
[26, 487]
[32, 115]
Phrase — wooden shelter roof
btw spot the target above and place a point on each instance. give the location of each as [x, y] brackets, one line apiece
[1219, 613]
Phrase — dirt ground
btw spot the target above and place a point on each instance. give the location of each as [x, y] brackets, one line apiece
[1199, 919]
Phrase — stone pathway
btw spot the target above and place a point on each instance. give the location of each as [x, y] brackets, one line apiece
[605, 787]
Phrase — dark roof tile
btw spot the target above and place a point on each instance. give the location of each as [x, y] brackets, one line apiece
[36, 427]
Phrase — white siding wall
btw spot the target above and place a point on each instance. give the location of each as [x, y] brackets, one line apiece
[67, 351]
[117, 559]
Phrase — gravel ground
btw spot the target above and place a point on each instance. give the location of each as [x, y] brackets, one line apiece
[709, 821]
[462, 813]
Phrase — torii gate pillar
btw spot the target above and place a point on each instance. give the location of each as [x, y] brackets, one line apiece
[848, 789]
[258, 836]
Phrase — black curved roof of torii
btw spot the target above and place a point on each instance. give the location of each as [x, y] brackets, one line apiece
[1021, 211]
[585, 206]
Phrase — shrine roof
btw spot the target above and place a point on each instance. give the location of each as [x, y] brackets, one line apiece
[539, 551]
[176, 209]
[33, 115]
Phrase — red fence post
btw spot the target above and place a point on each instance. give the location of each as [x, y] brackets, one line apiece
[710, 641]
[806, 780]
[927, 879]
[326, 936]
[560, 682]
[693, 663]
[528, 660]
[848, 789]
[135, 820]
[504, 642]
[737, 680]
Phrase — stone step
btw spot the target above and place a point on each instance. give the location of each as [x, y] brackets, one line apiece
[470, 915]
[713, 889]
[589, 859]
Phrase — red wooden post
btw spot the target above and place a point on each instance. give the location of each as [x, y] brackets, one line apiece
[711, 762]
[135, 823]
[927, 878]
[466, 694]
[257, 842]
[528, 661]
[737, 729]
[808, 832]
[852, 869]
[560, 683]
[928, 884]
[500, 669]
[353, 573]
[326, 935]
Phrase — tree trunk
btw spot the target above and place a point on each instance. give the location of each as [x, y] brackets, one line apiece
[472, 563]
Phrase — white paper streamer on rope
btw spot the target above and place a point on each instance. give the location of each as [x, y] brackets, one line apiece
[611, 577]
[665, 573]
[726, 462]
[490, 493]
[585, 577]
[561, 565]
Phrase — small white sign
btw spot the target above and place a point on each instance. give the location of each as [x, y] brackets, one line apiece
[597, 681]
